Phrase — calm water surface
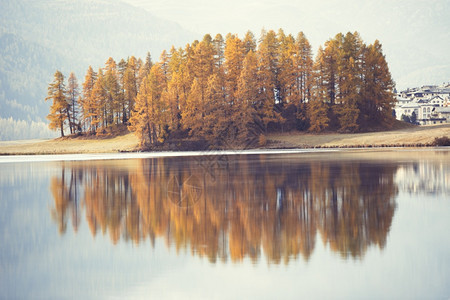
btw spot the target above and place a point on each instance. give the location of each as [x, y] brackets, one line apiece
[332, 224]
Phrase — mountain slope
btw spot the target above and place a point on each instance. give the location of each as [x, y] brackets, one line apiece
[38, 37]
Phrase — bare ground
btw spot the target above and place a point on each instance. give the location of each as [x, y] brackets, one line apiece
[414, 136]
[405, 137]
[122, 143]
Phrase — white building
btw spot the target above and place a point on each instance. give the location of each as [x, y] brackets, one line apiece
[444, 112]
[426, 103]
[407, 110]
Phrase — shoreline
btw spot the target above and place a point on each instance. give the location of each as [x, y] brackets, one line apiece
[415, 137]
[374, 154]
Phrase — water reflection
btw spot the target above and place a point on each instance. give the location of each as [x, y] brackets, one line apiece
[229, 210]
[424, 178]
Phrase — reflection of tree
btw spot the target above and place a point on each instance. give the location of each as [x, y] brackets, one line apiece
[358, 209]
[249, 206]
[65, 194]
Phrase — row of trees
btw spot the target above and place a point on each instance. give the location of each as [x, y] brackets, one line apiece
[106, 97]
[233, 89]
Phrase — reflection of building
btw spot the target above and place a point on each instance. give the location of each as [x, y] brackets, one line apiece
[425, 105]
[424, 177]
[243, 209]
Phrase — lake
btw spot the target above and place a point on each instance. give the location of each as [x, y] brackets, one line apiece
[269, 225]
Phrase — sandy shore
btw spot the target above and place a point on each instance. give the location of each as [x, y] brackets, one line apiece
[408, 137]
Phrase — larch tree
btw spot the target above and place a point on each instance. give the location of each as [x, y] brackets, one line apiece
[349, 83]
[199, 67]
[143, 69]
[99, 104]
[59, 107]
[171, 96]
[130, 86]
[302, 65]
[177, 87]
[219, 46]
[147, 66]
[149, 117]
[73, 110]
[378, 97]
[112, 107]
[216, 123]
[327, 79]
[121, 70]
[303, 69]
[88, 111]
[319, 85]
[328, 58]
[245, 117]
[202, 64]
[268, 70]
[176, 60]
[234, 56]
[286, 75]
[318, 115]
[193, 111]
[164, 60]
[249, 42]
[219, 60]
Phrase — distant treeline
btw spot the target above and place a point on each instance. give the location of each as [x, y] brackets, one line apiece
[221, 90]
[13, 129]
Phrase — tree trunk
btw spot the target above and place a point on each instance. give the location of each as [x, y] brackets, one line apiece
[62, 128]
[70, 122]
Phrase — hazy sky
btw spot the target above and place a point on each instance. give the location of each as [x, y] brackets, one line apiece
[318, 19]
[414, 33]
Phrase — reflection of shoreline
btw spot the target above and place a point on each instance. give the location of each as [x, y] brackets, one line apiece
[245, 207]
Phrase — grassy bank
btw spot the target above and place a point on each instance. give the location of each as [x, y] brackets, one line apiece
[416, 136]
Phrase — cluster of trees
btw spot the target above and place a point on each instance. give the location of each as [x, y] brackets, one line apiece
[243, 210]
[410, 119]
[234, 89]
[105, 98]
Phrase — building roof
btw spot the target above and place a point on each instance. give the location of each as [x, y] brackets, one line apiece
[434, 89]
[410, 105]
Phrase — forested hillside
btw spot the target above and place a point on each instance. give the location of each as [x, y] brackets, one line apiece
[37, 37]
[232, 90]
